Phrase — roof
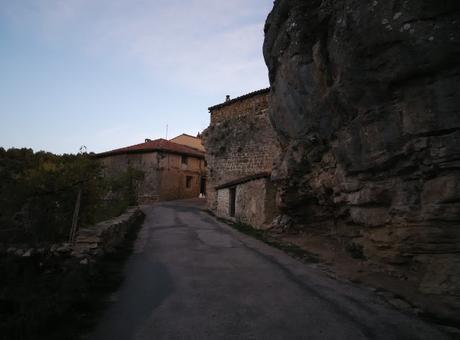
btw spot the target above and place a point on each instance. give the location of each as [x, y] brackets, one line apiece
[187, 135]
[237, 99]
[155, 145]
[244, 180]
[190, 141]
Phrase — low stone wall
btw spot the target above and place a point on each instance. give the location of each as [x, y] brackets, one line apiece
[104, 237]
[65, 282]
[148, 199]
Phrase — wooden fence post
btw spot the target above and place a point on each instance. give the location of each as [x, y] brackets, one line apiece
[74, 228]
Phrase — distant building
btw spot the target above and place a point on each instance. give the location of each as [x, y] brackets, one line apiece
[171, 170]
[191, 141]
[240, 148]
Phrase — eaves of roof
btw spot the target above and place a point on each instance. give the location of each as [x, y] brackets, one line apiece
[243, 180]
[237, 99]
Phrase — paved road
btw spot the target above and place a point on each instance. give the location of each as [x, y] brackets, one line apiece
[192, 277]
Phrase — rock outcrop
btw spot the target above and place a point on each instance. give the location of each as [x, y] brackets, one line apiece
[366, 105]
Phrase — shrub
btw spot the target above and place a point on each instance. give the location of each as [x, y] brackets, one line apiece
[38, 193]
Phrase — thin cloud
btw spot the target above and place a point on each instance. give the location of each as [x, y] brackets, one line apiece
[200, 45]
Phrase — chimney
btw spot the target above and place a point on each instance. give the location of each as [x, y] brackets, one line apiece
[227, 98]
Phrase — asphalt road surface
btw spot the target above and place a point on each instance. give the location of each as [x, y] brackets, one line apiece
[193, 277]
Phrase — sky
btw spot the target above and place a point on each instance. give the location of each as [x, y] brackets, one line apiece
[110, 73]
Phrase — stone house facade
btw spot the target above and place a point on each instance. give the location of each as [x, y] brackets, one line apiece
[171, 171]
[191, 141]
[240, 148]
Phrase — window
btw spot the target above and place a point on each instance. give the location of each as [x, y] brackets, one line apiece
[188, 182]
[184, 160]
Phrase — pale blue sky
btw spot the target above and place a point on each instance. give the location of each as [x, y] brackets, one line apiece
[109, 73]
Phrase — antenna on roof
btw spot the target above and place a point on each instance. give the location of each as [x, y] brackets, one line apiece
[166, 131]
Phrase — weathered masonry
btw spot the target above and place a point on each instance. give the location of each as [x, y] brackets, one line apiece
[240, 147]
[171, 171]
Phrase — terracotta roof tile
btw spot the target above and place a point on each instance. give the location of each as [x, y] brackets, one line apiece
[155, 145]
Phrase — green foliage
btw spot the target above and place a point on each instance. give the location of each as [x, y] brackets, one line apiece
[38, 192]
[125, 184]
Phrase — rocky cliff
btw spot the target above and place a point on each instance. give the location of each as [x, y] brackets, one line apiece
[366, 105]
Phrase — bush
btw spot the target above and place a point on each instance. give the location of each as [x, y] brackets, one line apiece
[38, 193]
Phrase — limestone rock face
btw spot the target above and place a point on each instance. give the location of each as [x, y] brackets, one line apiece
[366, 105]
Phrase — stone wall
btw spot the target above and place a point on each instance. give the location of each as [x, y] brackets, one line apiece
[102, 238]
[233, 149]
[173, 184]
[255, 203]
[366, 105]
[238, 108]
[105, 237]
[174, 176]
[223, 203]
[164, 174]
[148, 190]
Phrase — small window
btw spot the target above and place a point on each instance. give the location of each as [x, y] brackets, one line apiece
[188, 182]
[184, 160]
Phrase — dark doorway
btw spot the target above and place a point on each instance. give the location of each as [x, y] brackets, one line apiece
[203, 186]
[232, 202]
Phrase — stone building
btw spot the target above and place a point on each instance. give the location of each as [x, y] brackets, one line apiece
[171, 171]
[240, 147]
[193, 142]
